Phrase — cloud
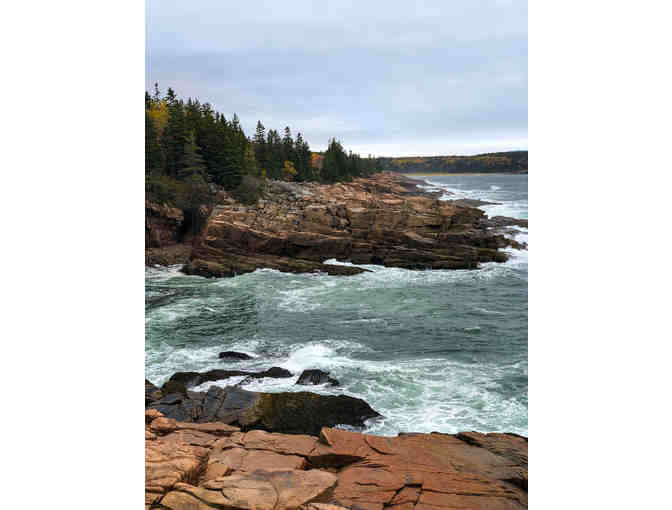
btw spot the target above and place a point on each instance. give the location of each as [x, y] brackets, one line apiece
[381, 76]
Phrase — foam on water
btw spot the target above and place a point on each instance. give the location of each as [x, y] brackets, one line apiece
[429, 350]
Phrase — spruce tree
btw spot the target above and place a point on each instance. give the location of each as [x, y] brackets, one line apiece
[260, 146]
[288, 147]
[153, 154]
[192, 161]
[334, 167]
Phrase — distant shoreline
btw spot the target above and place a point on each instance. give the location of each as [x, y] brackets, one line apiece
[445, 174]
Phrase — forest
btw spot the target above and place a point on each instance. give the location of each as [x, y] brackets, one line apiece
[189, 147]
[495, 162]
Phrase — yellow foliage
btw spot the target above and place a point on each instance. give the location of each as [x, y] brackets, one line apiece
[288, 172]
[159, 114]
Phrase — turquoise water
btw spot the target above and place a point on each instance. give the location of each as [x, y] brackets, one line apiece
[430, 350]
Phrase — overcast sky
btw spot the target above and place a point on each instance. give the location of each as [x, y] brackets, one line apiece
[388, 78]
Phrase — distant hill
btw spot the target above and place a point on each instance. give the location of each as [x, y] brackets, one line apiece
[494, 162]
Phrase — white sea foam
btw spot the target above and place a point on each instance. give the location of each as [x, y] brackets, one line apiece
[426, 394]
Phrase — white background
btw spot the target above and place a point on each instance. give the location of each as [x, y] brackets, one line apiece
[72, 253]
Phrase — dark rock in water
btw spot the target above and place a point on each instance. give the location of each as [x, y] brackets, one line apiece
[234, 356]
[294, 413]
[191, 379]
[174, 387]
[274, 372]
[316, 377]
[306, 413]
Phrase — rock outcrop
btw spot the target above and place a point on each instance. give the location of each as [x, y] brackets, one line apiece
[385, 220]
[190, 379]
[291, 412]
[163, 235]
[213, 466]
[315, 376]
[234, 356]
[162, 225]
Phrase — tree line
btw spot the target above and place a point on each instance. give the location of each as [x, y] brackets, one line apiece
[189, 146]
[494, 162]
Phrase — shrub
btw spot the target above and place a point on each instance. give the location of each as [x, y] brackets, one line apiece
[249, 190]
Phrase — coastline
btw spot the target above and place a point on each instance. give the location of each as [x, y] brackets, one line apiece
[209, 466]
[201, 455]
[447, 174]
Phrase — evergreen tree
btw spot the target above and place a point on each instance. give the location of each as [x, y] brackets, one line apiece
[174, 137]
[304, 160]
[250, 166]
[153, 153]
[288, 146]
[334, 167]
[275, 159]
[260, 146]
[192, 161]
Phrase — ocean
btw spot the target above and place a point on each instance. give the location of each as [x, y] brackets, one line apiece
[441, 350]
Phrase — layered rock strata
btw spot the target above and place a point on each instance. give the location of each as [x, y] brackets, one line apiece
[385, 220]
[215, 466]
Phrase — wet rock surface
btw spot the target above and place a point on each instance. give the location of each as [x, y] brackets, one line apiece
[292, 412]
[190, 379]
[234, 356]
[314, 377]
[213, 466]
[385, 220]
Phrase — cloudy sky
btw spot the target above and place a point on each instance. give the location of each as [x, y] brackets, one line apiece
[385, 77]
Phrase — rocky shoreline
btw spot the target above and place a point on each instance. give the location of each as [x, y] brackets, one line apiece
[385, 220]
[229, 448]
[213, 465]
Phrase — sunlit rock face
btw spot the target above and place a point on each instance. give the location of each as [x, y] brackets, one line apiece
[385, 219]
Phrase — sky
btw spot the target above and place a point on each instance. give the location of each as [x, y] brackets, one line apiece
[386, 78]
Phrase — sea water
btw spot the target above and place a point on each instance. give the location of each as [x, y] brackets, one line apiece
[430, 350]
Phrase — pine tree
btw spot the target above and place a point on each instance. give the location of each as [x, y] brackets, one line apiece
[288, 146]
[335, 163]
[174, 137]
[275, 160]
[260, 146]
[194, 190]
[153, 154]
[192, 161]
[250, 166]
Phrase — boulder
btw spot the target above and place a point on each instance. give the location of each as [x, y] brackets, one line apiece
[315, 377]
[234, 356]
[174, 387]
[296, 413]
[191, 379]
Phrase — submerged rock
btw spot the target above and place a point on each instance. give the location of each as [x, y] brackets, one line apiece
[296, 413]
[384, 220]
[234, 356]
[315, 377]
[191, 379]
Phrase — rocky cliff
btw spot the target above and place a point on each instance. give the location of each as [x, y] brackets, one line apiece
[194, 466]
[385, 220]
